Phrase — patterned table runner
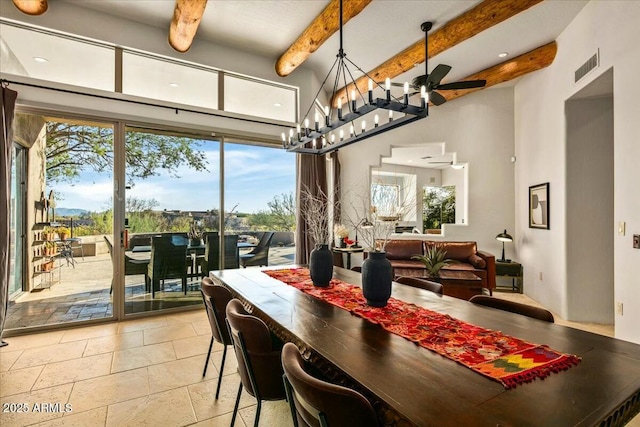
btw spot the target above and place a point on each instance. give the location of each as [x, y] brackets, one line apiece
[506, 359]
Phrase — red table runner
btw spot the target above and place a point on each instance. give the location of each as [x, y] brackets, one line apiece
[506, 359]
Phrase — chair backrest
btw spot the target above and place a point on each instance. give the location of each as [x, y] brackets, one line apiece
[212, 252]
[216, 298]
[314, 402]
[417, 282]
[259, 363]
[261, 251]
[513, 307]
[168, 260]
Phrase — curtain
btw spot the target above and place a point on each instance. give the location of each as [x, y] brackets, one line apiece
[337, 194]
[312, 175]
[8, 102]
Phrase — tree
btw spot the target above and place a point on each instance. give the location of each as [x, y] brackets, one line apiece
[281, 215]
[439, 207]
[72, 149]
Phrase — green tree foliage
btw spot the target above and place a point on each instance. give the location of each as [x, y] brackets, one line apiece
[439, 207]
[72, 148]
[281, 215]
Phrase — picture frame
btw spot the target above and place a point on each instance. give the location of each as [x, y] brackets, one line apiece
[539, 206]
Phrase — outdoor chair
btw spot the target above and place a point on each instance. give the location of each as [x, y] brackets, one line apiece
[132, 267]
[211, 260]
[417, 282]
[314, 402]
[216, 298]
[260, 254]
[258, 354]
[168, 261]
[513, 307]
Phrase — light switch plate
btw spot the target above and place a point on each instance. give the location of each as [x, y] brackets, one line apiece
[636, 241]
[621, 228]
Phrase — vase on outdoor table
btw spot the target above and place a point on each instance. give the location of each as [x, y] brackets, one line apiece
[321, 266]
[377, 276]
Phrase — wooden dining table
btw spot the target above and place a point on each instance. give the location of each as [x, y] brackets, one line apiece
[413, 386]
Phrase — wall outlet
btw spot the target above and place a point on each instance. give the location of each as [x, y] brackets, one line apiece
[540, 276]
[619, 308]
[621, 228]
[636, 241]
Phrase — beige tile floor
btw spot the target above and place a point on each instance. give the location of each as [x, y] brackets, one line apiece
[134, 373]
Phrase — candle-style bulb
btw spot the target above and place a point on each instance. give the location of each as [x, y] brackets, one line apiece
[339, 103]
[284, 137]
[341, 134]
[376, 120]
[370, 85]
[333, 138]
[306, 123]
[327, 118]
[390, 115]
[351, 130]
[364, 126]
[387, 83]
[406, 87]
[370, 91]
[423, 91]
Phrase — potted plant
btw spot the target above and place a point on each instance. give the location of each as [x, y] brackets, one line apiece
[195, 234]
[63, 232]
[433, 260]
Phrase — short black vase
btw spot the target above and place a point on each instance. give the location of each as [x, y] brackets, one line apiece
[377, 276]
[321, 266]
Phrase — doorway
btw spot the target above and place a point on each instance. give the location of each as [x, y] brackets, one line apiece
[590, 203]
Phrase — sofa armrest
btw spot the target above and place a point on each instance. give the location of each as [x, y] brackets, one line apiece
[490, 259]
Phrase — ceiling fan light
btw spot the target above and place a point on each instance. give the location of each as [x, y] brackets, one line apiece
[503, 54]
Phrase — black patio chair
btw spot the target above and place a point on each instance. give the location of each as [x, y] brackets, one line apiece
[168, 261]
[260, 254]
[211, 260]
[132, 267]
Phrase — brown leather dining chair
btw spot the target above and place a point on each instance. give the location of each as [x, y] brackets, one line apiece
[417, 282]
[513, 307]
[258, 355]
[314, 402]
[216, 298]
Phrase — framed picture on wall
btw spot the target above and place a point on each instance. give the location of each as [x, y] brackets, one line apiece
[539, 206]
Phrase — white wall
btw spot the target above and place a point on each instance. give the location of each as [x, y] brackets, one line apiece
[612, 28]
[479, 128]
[458, 179]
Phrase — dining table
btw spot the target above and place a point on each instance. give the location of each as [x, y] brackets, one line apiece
[410, 385]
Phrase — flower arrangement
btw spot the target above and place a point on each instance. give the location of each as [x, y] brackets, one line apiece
[340, 231]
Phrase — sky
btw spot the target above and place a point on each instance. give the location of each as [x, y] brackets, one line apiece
[253, 176]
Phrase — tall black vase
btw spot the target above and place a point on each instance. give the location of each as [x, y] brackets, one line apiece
[321, 266]
[377, 275]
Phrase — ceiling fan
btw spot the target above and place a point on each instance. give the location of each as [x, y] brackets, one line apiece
[432, 81]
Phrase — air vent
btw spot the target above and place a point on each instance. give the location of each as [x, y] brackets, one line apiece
[586, 67]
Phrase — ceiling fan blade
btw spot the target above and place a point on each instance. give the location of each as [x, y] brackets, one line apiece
[438, 74]
[419, 81]
[395, 84]
[469, 84]
[436, 98]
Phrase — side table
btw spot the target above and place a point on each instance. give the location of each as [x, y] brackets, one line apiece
[511, 269]
[348, 251]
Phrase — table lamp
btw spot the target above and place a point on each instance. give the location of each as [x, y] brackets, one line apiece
[504, 237]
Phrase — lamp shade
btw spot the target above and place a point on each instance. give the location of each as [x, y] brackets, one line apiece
[504, 237]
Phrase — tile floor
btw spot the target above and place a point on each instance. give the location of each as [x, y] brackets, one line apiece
[133, 373]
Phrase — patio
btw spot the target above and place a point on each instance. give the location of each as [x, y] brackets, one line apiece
[83, 293]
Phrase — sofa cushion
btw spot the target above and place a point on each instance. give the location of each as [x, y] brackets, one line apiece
[403, 249]
[407, 263]
[459, 251]
[477, 261]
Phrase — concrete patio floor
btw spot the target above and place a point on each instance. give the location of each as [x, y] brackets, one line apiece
[83, 293]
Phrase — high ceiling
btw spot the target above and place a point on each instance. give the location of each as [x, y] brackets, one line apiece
[381, 30]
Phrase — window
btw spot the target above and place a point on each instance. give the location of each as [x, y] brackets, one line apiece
[439, 207]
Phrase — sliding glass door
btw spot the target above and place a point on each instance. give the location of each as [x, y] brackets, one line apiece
[171, 214]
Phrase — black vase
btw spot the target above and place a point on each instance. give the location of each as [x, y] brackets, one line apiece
[321, 266]
[377, 275]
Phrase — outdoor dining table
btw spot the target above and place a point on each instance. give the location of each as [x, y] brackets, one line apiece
[412, 385]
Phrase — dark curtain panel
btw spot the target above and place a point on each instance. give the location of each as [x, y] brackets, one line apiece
[312, 175]
[337, 194]
[8, 101]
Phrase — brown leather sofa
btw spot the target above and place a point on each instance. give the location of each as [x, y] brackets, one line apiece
[463, 256]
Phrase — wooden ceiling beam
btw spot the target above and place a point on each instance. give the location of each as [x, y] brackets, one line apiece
[482, 17]
[321, 28]
[534, 60]
[31, 7]
[186, 18]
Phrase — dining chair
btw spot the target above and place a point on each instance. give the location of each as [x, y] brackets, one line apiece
[216, 298]
[417, 282]
[258, 354]
[315, 402]
[357, 268]
[132, 267]
[168, 261]
[260, 254]
[211, 259]
[513, 307]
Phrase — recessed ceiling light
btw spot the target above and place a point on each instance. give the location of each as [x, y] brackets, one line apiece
[502, 55]
[173, 84]
[277, 104]
[40, 59]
